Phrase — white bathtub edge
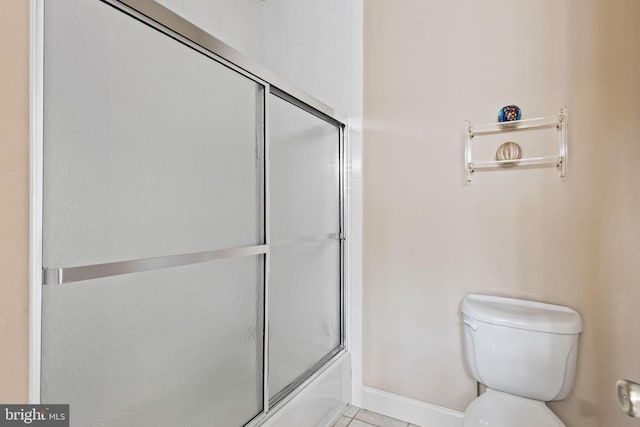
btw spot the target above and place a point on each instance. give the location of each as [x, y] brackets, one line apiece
[321, 402]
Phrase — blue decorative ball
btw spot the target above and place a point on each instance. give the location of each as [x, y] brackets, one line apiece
[509, 113]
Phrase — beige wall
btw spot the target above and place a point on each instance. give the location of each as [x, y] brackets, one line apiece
[429, 239]
[14, 204]
[617, 296]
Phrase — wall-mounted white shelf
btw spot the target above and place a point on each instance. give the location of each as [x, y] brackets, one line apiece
[559, 160]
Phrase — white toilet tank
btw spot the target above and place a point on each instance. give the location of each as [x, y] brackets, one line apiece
[521, 347]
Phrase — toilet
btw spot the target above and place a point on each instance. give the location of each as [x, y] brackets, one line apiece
[525, 353]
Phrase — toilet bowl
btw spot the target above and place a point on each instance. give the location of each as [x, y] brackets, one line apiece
[525, 352]
[498, 409]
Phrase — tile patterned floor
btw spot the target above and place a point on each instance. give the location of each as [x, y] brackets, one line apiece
[356, 417]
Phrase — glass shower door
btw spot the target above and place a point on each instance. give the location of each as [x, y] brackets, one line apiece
[154, 237]
[305, 282]
[168, 298]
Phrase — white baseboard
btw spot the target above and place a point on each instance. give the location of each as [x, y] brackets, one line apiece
[411, 410]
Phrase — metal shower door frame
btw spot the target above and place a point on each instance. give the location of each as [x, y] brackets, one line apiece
[162, 19]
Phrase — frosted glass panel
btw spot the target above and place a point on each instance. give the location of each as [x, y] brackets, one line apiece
[304, 304]
[304, 154]
[176, 347]
[150, 147]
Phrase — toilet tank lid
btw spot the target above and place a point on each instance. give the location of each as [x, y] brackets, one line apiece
[522, 314]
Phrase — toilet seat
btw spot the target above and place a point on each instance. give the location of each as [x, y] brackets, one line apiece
[498, 409]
